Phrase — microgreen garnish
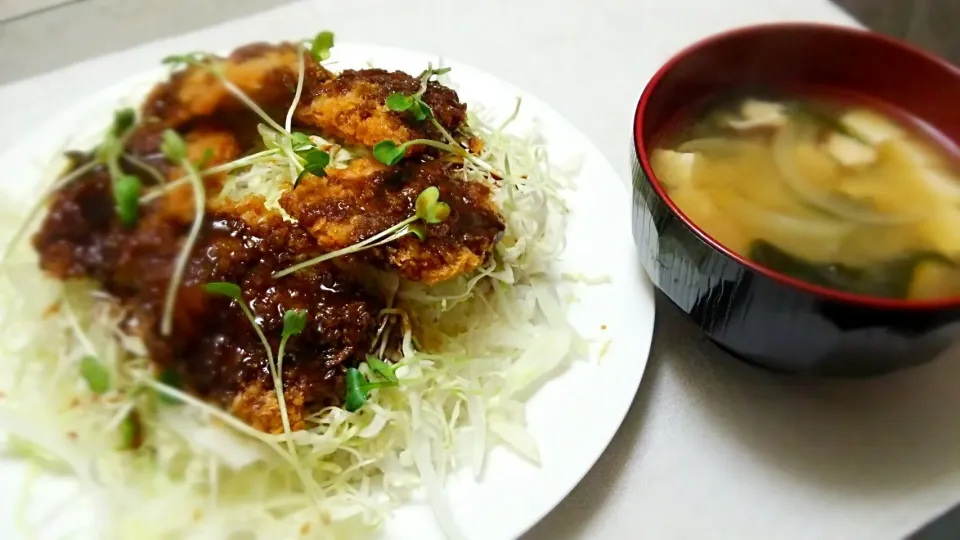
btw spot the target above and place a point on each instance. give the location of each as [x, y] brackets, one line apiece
[173, 147]
[95, 374]
[359, 387]
[414, 103]
[399, 102]
[131, 432]
[171, 378]
[357, 393]
[381, 368]
[126, 188]
[430, 72]
[126, 192]
[428, 209]
[419, 230]
[223, 288]
[293, 323]
[123, 120]
[302, 155]
[390, 153]
[206, 159]
[420, 111]
[188, 59]
[211, 64]
[314, 162]
[145, 168]
[300, 141]
[320, 46]
[175, 150]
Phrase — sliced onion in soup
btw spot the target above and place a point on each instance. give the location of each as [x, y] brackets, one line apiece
[785, 143]
[812, 238]
[931, 168]
[715, 145]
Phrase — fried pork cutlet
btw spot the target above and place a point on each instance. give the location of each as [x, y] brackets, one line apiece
[213, 348]
[352, 107]
[266, 73]
[350, 205]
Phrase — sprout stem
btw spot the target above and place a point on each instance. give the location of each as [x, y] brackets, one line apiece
[359, 246]
[296, 97]
[276, 374]
[281, 398]
[180, 266]
[145, 167]
[226, 167]
[513, 116]
[239, 94]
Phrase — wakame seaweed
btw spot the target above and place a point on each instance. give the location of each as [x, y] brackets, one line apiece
[885, 280]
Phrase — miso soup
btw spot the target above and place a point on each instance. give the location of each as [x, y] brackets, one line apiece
[839, 195]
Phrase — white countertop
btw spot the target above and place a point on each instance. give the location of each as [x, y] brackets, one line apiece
[712, 448]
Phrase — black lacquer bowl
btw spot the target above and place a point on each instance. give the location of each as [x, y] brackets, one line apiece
[755, 313]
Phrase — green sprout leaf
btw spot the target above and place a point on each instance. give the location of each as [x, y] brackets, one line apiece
[206, 159]
[388, 153]
[416, 106]
[300, 140]
[382, 369]
[123, 120]
[437, 213]
[95, 374]
[316, 162]
[429, 73]
[131, 432]
[321, 45]
[172, 379]
[429, 208]
[356, 392]
[420, 110]
[427, 199]
[126, 194]
[399, 102]
[173, 147]
[418, 230]
[294, 321]
[189, 59]
[224, 288]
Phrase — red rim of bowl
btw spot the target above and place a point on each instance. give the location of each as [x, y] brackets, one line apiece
[833, 294]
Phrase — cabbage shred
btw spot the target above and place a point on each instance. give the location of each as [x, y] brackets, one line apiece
[472, 349]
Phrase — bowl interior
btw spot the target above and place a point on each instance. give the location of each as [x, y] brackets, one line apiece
[835, 59]
[830, 59]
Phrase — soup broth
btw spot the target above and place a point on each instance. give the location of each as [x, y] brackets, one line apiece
[839, 195]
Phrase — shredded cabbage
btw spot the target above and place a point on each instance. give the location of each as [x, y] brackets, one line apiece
[472, 350]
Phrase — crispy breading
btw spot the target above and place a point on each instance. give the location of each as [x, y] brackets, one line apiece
[266, 73]
[213, 347]
[352, 107]
[350, 205]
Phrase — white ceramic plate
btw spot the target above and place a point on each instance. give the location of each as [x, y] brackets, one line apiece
[572, 417]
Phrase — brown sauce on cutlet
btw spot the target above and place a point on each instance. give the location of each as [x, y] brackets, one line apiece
[213, 347]
[361, 207]
[378, 84]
